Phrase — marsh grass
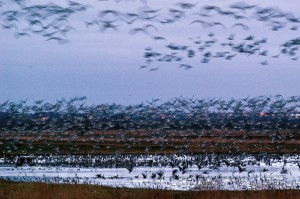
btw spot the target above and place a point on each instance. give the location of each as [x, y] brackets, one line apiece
[21, 190]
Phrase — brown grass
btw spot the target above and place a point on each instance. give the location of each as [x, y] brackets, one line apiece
[136, 141]
[18, 190]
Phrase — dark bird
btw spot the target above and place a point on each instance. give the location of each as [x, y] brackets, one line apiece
[129, 168]
[186, 5]
[108, 25]
[9, 26]
[153, 175]
[137, 30]
[249, 38]
[58, 39]
[144, 175]
[251, 171]
[199, 166]
[102, 13]
[153, 69]
[21, 34]
[264, 63]
[91, 23]
[218, 24]
[176, 177]
[241, 169]
[243, 26]
[159, 38]
[151, 11]
[204, 24]
[174, 172]
[185, 66]
[283, 170]
[242, 6]
[147, 26]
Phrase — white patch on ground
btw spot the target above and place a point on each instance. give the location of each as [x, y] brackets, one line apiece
[255, 177]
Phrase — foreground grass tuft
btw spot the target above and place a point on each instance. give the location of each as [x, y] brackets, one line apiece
[21, 190]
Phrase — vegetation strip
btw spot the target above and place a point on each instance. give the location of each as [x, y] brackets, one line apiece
[12, 190]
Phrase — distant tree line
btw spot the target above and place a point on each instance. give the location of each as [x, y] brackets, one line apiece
[255, 113]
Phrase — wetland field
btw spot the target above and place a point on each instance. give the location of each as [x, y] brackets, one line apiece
[183, 163]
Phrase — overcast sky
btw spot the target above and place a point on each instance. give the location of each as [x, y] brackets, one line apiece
[105, 66]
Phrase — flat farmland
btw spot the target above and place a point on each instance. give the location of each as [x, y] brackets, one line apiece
[151, 142]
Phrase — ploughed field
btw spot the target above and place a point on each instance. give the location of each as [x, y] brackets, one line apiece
[151, 142]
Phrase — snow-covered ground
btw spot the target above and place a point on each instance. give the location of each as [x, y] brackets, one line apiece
[223, 174]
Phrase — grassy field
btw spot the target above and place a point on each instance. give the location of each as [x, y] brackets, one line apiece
[150, 142]
[10, 190]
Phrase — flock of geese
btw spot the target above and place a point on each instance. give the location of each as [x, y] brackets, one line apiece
[266, 170]
[256, 113]
[146, 125]
[52, 22]
[180, 164]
